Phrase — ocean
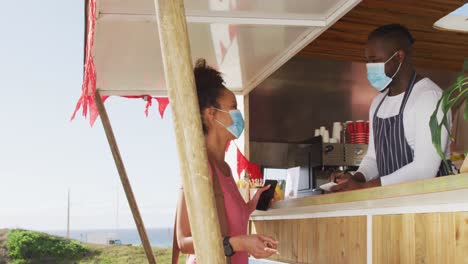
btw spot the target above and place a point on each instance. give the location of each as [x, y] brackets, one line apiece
[159, 237]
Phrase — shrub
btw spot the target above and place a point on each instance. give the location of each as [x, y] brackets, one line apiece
[29, 245]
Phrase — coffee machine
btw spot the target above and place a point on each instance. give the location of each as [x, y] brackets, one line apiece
[327, 158]
[316, 160]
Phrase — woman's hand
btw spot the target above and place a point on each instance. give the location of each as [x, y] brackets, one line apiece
[253, 203]
[258, 246]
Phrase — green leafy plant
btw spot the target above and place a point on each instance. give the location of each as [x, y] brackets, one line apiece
[458, 91]
[26, 245]
[30, 247]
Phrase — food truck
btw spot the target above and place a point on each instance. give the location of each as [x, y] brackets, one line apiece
[296, 66]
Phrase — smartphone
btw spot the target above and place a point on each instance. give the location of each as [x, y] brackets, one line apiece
[267, 195]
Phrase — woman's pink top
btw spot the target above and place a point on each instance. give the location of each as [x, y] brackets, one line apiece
[237, 214]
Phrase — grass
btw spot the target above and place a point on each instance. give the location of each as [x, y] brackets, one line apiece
[126, 254]
[29, 247]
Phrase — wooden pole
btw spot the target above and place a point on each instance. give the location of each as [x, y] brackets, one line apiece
[68, 214]
[180, 82]
[247, 126]
[124, 179]
[464, 166]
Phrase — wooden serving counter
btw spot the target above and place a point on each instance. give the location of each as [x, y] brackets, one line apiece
[422, 221]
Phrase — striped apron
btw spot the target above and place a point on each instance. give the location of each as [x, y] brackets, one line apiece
[391, 148]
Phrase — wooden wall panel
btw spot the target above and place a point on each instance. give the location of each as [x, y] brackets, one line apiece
[433, 49]
[421, 238]
[319, 240]
[461, 237]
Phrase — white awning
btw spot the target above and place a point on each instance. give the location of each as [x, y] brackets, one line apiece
[246, 40]
[456, 21]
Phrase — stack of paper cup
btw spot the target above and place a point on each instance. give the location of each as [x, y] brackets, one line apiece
[317, 132]
[367, 132]
[360, 127]
[351, 132]
[336, 134]
[326, 137]
[322, 130]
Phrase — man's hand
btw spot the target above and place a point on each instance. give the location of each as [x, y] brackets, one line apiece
[353, 184]
[339, 177]
[348, 185]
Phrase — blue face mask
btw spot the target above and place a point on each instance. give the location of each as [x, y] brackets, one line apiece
[376, 74]
[237, 126]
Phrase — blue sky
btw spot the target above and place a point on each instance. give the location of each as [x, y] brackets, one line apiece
[462, 11]
[42, 153]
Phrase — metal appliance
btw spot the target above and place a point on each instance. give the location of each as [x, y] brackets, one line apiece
[316, 159]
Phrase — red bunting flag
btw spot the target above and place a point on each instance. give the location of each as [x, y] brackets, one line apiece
[251, 168]
[254, 171]
[149, 102]
[232, 31]
[223, 50]
[242, 162]
[147, 98]
[163, 102]
[88, 88]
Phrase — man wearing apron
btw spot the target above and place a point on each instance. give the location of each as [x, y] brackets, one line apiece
[400, 144]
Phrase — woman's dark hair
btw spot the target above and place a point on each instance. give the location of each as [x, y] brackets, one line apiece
[209, 83]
